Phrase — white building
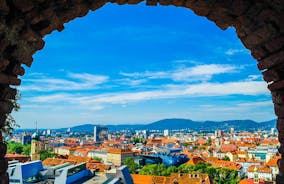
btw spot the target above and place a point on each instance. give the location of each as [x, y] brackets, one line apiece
[166, 133]
[98, 153]
[260, 172]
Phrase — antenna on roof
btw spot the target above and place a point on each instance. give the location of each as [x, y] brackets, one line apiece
[36, 125]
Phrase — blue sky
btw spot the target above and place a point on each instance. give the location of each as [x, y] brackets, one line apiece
[138, 64]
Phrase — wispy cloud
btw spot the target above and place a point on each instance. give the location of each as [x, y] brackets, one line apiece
[195, 73]
[256, 104]
[166, 92]
[254, 77]
[73, 81]
[131, 82]
[231, 52]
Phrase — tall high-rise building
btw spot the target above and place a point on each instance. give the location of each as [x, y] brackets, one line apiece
[145, 133]
[232, 131]
[166, 133]
[272, 131]
[48, 132]
[220, 133]
[26, 139]
[100, 133]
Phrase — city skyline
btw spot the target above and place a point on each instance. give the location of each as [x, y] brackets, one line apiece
[89, 72]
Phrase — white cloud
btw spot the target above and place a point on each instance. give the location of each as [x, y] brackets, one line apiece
[254, 77]
[257, 104]
[131, 82]
[166, 92]
[205, 72]
[231, 52]
[196, 73]
[74, 81]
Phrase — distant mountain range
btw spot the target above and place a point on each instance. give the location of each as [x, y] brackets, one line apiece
[174, 124]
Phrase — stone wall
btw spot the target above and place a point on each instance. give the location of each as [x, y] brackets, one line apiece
[23, 24]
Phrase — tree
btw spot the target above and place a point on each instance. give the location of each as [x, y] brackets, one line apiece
[26, 149]
[226, 158]
[131, 164]
[97, 158]
[44, 154]
[15, 147]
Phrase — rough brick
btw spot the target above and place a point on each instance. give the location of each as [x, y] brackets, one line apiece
[23, 5]
[276, 85]
[278, 97]
[271, 61]
[271, 75]
[279, 111]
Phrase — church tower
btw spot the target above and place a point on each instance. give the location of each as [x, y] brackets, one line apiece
[35, 147]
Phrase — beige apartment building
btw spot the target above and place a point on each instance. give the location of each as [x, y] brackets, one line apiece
[117, 156]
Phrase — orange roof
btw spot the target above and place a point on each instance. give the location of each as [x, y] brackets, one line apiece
[247, 181]
[238, 152]
[260, 169]
[222, 163]
[67, 148]
[228, 148]
[141, 179]
[201, 141]
[119, 151]
[56, 161]
[15, 155]
[241, 160]
[180, 178]
[273, 161]
[194, 160]
[269, 142]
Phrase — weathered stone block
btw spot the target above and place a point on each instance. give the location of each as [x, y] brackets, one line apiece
[276, 86]
[23, 5]
[178, 2]
[275, 44]
[258, 53]
[279, 111]
[3, 45]
[262, 34]
[8, 93]
[3, 149]
[280, 125]
[281, 165]
[93, 5]
[30, 36]
[271, 61]
[4, 8]
[151, 2]
[2, 121]
[18, 70]
[6, 79]
[278, 97]
[4, 178]
[165, 2]
[3, 166]
[239, 7]
[3, 64]
[6, 107]
[281, 149]
[271, 75]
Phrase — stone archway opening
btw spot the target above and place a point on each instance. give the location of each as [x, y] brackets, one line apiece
[23, 24]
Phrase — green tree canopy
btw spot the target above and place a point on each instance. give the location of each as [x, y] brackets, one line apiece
[46, 154]
[131, 164]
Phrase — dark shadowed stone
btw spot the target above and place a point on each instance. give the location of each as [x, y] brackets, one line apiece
[279, 110]
[23, 5]
[272, 60]
[278, 97]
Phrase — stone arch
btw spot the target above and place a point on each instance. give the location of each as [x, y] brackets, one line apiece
[23, 24]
